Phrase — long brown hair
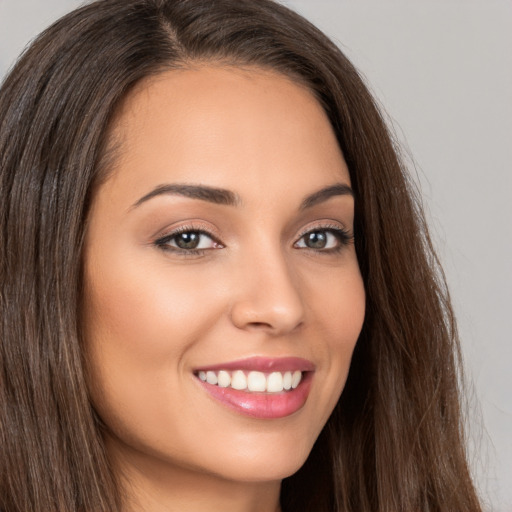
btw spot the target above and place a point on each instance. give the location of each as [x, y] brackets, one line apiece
[394, 441]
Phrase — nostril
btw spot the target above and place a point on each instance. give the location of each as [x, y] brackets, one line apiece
[260, 324]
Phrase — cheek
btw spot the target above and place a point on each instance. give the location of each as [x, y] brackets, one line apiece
[146, 310]
[348, 317]
[337, 301]
[339, 309]
[141, 321]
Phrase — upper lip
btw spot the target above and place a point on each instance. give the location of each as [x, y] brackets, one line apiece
[263, 364]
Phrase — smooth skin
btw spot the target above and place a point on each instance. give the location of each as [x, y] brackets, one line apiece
[268, 277]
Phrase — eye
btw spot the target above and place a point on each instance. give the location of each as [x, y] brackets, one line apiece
[324, 239]
[188, 240]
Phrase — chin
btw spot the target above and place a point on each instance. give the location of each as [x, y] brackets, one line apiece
[265, 465]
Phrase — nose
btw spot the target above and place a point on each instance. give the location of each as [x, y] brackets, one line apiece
[267, 296]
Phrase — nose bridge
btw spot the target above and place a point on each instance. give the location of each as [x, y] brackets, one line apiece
[268, 292]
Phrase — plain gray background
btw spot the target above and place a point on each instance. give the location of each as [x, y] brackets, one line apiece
[443, 72]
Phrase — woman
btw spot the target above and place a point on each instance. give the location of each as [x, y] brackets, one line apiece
[202, 213]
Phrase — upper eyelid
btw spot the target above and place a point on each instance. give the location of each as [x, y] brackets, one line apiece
[200, 228]
[344, 235]
[163, 242]
[325, 227]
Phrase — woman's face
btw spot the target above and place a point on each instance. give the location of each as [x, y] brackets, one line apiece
[220, 248]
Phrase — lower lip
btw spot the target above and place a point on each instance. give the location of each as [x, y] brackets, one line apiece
[263, 405]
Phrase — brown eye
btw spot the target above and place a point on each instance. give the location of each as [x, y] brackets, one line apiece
[188, 240]
[324, 240]
[316, 240]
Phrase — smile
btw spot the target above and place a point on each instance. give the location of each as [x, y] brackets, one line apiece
[259, 387]
[253, 382]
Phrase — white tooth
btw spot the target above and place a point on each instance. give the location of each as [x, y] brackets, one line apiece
[296, 378]
[287, 381]
[202, 376]
[275, 382]
[224, 379]
[211, 377]
[256, 381]
[239, 380]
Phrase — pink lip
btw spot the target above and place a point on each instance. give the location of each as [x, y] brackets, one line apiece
[264, 364]
[263, 405]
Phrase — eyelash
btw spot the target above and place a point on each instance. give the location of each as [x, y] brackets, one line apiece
[163, 242]
[343, 236]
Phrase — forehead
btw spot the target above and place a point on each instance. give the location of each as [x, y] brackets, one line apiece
[227, 127]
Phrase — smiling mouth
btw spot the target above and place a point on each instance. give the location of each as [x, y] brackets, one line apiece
[253, 381]
[265, 388]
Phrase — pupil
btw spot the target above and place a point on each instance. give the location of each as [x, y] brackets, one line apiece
[316, 240]
[188, 240]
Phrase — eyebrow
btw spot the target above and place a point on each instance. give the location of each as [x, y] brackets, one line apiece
[202, 192]
[228, 198]
[339, 189]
